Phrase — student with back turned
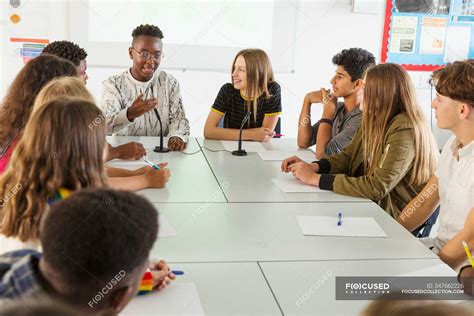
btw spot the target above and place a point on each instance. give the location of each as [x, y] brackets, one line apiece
[77, 55]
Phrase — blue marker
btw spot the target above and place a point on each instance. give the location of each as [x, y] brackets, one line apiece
[151, 164]
[177, 272]
[339, 222]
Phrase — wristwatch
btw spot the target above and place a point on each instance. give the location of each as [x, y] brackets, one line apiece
[327, 121]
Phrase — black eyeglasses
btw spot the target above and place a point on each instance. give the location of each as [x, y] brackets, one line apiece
[145, 55]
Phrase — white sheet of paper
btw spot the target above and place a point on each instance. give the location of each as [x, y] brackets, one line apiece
[433, 30]
[180, 298]
[438, 270]
[249, 146]
[276, 155]
[121, 163]
[292, 185]
[166, 229]
[457, 43]
[351, 226]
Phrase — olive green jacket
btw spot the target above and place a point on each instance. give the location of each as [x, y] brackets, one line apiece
[389, 185]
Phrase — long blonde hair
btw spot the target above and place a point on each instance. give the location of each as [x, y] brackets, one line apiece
[62, 147]
[388, 92]
[259, 75]
[62, 87]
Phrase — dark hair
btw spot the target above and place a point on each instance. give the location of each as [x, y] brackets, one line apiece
[456, 81]
[147, 30]
[67, 50]
[355, 61]
[18, 102]
[94, 235]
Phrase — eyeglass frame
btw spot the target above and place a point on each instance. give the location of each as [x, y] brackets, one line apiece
[142, 58]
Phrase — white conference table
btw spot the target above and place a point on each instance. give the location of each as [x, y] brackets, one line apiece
[243, 232]
[309, 288]
[249, 178]
[227, 288]
[191, 178]
[239, 242]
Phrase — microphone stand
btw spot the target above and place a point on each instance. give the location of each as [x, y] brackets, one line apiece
[160, 149]
[240, 151]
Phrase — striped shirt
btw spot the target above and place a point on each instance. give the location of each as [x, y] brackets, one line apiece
[344, 127]
[231, 103]
[119, 93]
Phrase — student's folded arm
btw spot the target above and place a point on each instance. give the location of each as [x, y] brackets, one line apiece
[270, 120]
[389, 171]
[119, 172]
[218, 110]
[110, 103]
[340, 162]
[323, 139]
[212, 131]
[111, 153]
[127, 183]
[306, 131]
[274, 110]
[179, 124]
[421, 207]
[453, 252]
[340, 141]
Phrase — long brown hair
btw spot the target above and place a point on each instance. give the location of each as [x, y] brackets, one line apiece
[62, 147]
[259, 75]
[388, 92]
[18, 102]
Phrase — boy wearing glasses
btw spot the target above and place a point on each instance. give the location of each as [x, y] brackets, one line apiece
[129, 99]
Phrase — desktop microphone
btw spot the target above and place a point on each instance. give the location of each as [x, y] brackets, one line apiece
[160, 149]
[240, 151]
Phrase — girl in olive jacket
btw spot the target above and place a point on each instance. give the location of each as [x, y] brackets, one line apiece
[393, 154]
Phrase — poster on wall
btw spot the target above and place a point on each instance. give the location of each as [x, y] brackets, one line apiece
[432, 35]
[27, 48]
[403, 34]
[427, 34]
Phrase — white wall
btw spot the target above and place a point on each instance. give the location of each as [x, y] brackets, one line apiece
[324, 27]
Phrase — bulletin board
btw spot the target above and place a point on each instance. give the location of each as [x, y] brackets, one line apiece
[425, 35]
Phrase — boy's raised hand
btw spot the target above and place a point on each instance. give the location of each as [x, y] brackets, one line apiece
[329, 101]
[140, 107]
[313, 97]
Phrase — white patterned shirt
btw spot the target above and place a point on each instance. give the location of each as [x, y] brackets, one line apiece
[120, 91]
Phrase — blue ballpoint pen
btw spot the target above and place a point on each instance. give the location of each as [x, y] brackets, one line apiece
[151, 164]
[339, 222]
[177, 272]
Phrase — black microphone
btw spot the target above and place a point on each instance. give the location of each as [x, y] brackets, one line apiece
[240, 151]
[160, 149]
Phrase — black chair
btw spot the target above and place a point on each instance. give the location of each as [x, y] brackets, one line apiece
[425, 229]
